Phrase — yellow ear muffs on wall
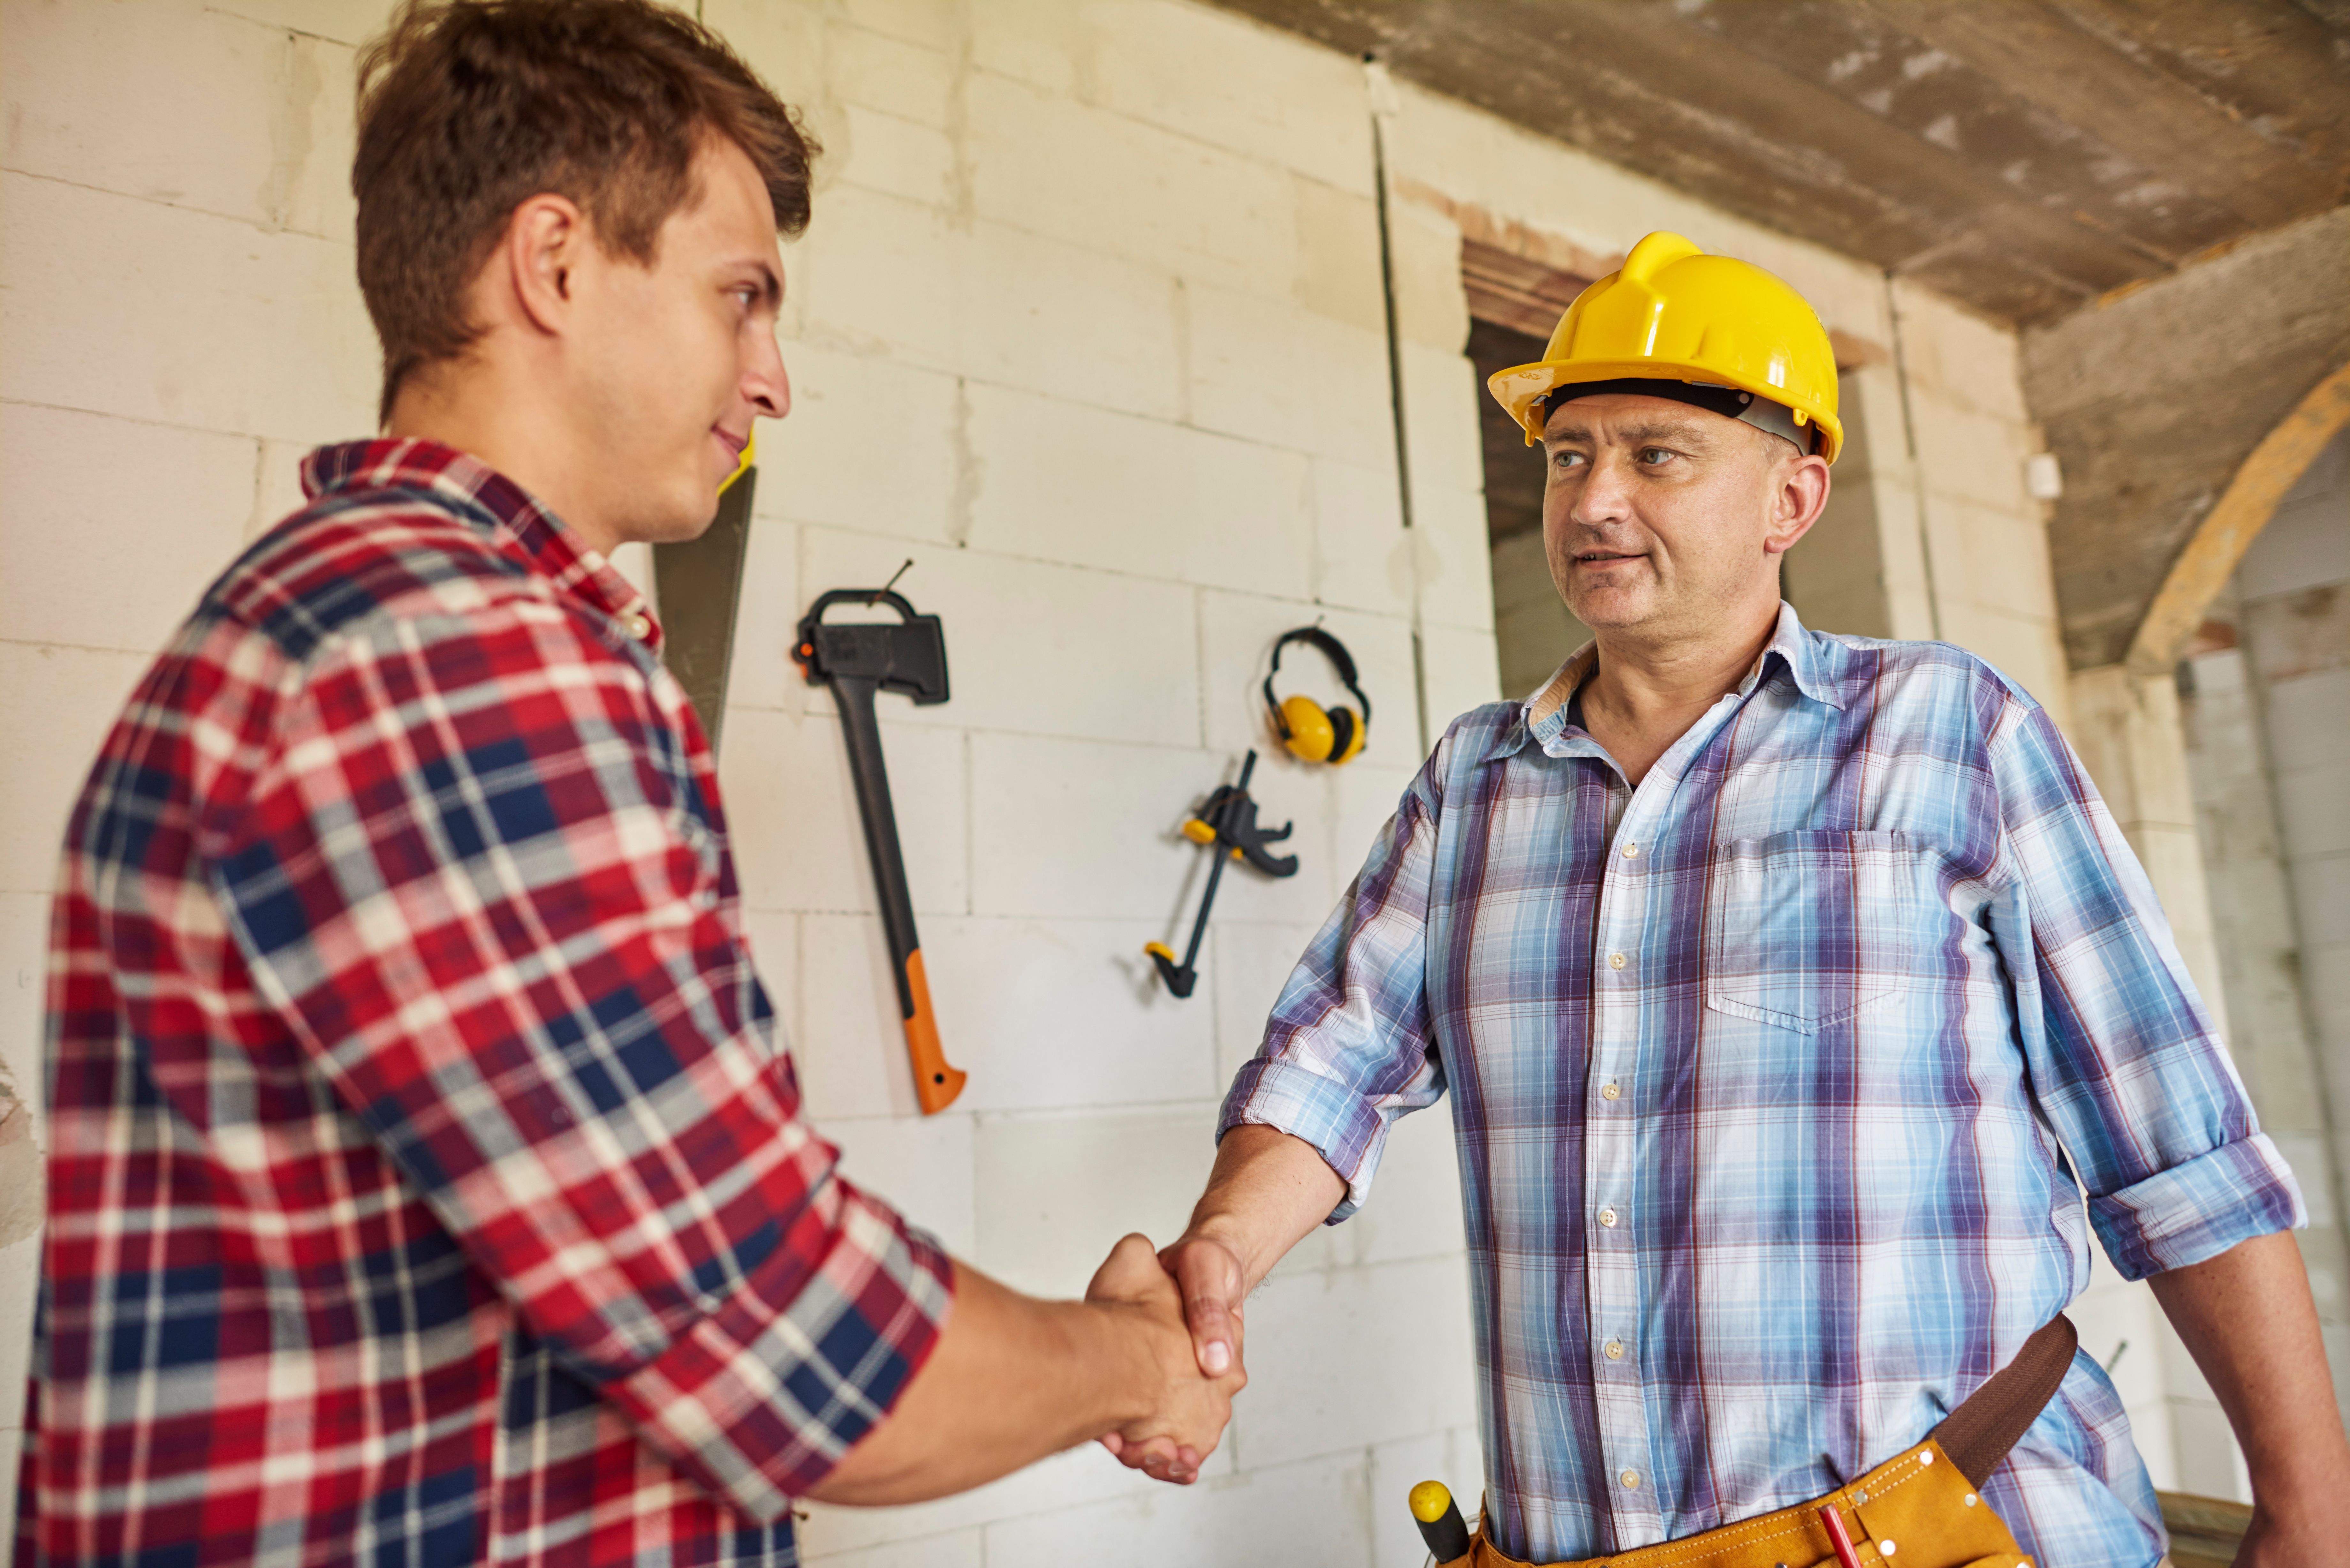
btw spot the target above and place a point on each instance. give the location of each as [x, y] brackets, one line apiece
[1311, 732]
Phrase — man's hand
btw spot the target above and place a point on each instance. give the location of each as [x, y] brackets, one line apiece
[1188, 1415]
[1207, 1273]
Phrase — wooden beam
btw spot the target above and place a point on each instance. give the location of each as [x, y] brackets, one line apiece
[2228, 530]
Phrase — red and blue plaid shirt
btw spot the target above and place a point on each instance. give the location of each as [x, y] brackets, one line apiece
[426, 1184]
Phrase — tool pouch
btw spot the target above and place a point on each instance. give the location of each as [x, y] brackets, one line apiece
[1922, 1508]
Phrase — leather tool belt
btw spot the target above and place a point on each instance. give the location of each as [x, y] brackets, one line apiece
[1922, 1508]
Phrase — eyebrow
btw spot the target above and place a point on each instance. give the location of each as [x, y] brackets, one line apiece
[1650, 430]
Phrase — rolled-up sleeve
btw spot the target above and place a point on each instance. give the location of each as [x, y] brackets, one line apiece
[477, 877]
[1348, 1047]
[2125, 1061]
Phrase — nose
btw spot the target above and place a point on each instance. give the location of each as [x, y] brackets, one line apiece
[766, 385]
[1605, 495]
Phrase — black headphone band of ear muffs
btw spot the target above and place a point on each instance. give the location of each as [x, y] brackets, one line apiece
[1348, 730]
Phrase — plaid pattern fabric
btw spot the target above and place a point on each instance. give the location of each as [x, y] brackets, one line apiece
[426, 1184]
[1759, 1074]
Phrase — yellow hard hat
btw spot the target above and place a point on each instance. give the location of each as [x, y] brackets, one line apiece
[1672, 313]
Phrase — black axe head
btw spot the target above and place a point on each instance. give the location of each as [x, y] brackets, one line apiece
[909, 656]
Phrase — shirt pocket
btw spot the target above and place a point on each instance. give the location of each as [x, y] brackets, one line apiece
[1804, 930]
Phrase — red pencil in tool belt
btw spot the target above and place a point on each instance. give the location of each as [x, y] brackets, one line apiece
[1845, 1555]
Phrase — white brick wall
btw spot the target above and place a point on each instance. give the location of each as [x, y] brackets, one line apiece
[1088, 325]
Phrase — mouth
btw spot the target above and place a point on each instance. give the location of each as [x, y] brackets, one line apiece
[732, 443]
[1604, 558]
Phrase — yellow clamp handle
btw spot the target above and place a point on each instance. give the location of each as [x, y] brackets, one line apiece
[1200, 832]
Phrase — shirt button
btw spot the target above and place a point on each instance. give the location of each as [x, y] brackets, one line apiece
[1609, 1091]
[1631, 1478]
[1616, 961]
[641, 627]
[1631, 852]
[1615, 1350]
[1607, 1218]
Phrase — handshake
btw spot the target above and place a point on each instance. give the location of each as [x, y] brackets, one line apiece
[1184, 1303]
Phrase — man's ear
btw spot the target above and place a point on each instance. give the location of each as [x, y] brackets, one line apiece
[545, 242]
[1799, 494]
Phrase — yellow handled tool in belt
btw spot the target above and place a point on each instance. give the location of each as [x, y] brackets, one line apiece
[1923, 1507]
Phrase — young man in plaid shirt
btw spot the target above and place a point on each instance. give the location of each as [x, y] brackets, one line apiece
[427, 1183]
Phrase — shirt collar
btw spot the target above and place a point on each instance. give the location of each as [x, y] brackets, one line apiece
[1814, 663]
[478, 492]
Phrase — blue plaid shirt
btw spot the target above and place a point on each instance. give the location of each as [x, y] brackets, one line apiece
[1772, 1080]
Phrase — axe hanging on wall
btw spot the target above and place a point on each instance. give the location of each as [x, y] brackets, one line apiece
[857, 659]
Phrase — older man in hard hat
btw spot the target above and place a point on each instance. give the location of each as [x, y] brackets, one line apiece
[1785, 984]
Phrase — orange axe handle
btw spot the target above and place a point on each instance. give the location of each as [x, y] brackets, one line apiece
[936, 1084]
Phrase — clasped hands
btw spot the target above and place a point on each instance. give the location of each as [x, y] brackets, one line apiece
[1188, 1299]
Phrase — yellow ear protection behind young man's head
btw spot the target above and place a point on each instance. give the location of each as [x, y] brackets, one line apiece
[1310, 731]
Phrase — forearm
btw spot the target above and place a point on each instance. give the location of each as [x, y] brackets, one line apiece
[1011, 1380]
[1267, 1193]
[2247, 1317]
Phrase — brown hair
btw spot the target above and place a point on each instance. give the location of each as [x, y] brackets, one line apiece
[469, 108]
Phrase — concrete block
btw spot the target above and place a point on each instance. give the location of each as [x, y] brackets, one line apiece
[344, 21]
[2308, 721]
[1951, 354]
[1314, 1513]
[799, 843]
[935, 24]
[1055, 1193]
[197, 104]
[1415, 1206]
[847, 1041]
[276, 486]
[1266, 370]
[2304, 546]
[1030, 646]
[1443, 404]
[2314, 811]
[1247, 963]
[284, 347]
[1095, 488]
[1338, 255]
[1116, 852]
[787, 45]
[1237, 633]
[1991, 555]
[2321, 887]
[2210, 1463]
[906, 81]
[2024, 648]
[1083, 1475]
[1352, 1357]
[897, 157]
[1432, 302]
[1226, 80]
[1459, 670]
[1041, 43]
[1970, 455]
[135, 518]
[60, 704]
[1452, 1457]
[23, 994]
[870, 445]
[1454, 554]
[1067, 1013]
[1092, 178]
[1042, 1015]
[922, 1165]
[1362, 556]
[773, 937]
[961, 1549]
[20, 1281]
[882, 275]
